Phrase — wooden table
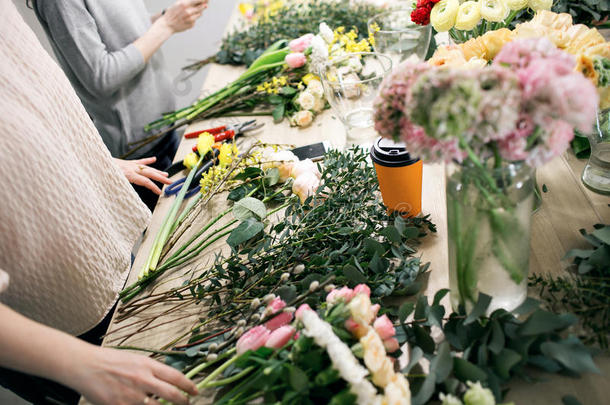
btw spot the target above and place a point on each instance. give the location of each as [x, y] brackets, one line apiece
[566, 207]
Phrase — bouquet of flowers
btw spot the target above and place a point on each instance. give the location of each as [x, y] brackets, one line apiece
[494, 122]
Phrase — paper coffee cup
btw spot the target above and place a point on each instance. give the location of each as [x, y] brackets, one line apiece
[399, 175]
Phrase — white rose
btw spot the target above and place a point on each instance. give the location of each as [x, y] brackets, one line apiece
[516, 4]
[305, 166]
[381, 377]
[394, 394]
[305, 185]
[303, 118]
[361, 309]
[319, 105]
[315, 87]
[306, 100]
[326, 33]
[284, 161]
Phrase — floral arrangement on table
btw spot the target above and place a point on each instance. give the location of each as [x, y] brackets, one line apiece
[591, 51]
[524, 109]
[470, 19]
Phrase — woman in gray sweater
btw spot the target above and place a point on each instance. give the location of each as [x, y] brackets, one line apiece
[109, 51]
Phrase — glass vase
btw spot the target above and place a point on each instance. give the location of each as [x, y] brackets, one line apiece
[489, 216]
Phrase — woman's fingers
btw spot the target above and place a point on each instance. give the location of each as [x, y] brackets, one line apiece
[156, 175]
[148, 183]
[146, 161]
[167, 392]
[174, 377]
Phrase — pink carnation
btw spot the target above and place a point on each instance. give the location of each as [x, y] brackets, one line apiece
[252, 339]
[295, 60]
[279, 337]
[301, 43]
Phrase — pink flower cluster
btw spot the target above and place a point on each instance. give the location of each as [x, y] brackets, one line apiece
[297, 58]
[527, 103]
[274, 334]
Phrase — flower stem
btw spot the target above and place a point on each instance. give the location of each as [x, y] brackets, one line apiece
[217, 372]
[229, 380]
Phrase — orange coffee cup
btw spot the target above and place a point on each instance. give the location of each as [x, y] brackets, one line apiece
[399, 175]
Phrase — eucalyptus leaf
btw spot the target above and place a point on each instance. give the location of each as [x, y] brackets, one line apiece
[426, 390]
[248, 207]
[405, 310]
[505, 361]
[353, 274]
[466, 371]
[479, 308]
[245, 231]
[298, 379]
[543, 322]
[416, 355]
[442, 363]
[571, 354]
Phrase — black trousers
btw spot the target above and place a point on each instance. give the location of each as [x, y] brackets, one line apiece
[42, 391]
[165, 152]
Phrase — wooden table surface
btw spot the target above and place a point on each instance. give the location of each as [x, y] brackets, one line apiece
[566, 207]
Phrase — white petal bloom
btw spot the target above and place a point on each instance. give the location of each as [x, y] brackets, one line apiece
[443, 14]
[315, 87]
[306, 100]
[303, 118]
[477, 395]
[450, 400]
[468, 16]
[361, 309]
[305, 185]
[516, 4]
[326, 33]
[304, 166]
[538, 5]
[354, 64]
[397, 391]
[319, 54]
[494, 10]
[319, 105]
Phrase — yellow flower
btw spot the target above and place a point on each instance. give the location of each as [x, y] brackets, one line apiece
[190, 160]
[374, 27]
[204, 143]
[228, 151]
[443, 14]
[260, 88]
[494, 10]
[468, 15]
[538, 5]
[516, 4]
[308, 77]
[283, 81]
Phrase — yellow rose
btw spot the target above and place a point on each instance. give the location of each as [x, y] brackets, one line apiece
[468, 15]
[190, 160]
[516, 4]
[537, 5]
[494, 10]
[443, 14]
[361, 309]
[204, 143]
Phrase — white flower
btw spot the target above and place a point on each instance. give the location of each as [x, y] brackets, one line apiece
[477, 395]
[303, 118]
[305, 185]
[361, 309]
[354, 64]
[450, 400]
[538, 5]
[494, 10]
[315, 88]
[374, 352]
[306, 100]
[397, 392]
[326, 33]
[319, 105]
[468, 15]
[516, 4]
[283, 160]
[304, 166]
[443, 14]
[319, 54]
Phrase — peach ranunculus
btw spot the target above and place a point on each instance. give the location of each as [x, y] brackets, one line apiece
[305, 166]
[362, 289]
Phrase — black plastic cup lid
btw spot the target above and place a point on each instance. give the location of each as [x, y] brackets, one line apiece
[386, 152]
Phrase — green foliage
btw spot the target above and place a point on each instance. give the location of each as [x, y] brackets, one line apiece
[585, 291]
[583, 11]
[490, 349]
[292, 21]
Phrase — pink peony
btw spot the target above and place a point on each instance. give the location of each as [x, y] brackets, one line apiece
[301, 43]
[362, 289]
[276, 305]
[279, 337]
[295, 60]
[384, 327]
[301, 309]
[278, 321]
[391, 345]
[252, 339]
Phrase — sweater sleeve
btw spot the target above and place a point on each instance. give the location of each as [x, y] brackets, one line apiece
[74, 32]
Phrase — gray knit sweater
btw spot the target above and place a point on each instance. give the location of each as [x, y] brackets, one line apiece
[93, 41]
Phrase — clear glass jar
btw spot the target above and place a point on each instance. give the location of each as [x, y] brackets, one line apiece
[489, 219]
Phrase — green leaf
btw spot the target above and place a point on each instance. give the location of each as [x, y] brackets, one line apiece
[272, 176]
[327, 377]
[372, 246]
[466, 371]
[288, 91]
[287, 293]
[426, 390]
[600, 258]
[572, 354]
[405, 310]
[410, 232]
[505, 361]
[343, 398]
[377, 264]
[423, 339]
[275, 99]
[278, 113]
[548, 365]
[421, 309]
[527, 306]
[245, 231]
[415, 356]
[353, 274]
[440, 294]
[581, 147]
[442, 363]
[298, 379]
[570, 400]
[391, 233]
[603, 234]
[248, 207]
[479, 308]
[544, 322]
[497, 337]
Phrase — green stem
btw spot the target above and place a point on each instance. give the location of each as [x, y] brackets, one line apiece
[226, 381]
[510, 17]
[217, 372]
[196, 370]
[185, 212]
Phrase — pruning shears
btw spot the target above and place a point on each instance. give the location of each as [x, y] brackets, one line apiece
[225, 132]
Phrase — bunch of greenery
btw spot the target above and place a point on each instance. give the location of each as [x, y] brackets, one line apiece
[584, 11]
[242, 47]
[491, 349]
[585, 291]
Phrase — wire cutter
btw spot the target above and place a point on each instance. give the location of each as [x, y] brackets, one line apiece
[225, 132]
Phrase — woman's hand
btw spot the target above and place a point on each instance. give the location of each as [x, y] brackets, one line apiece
[183, 14]
[137, 172]
[117, 377]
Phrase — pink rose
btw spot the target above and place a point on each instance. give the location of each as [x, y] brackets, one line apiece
[279, 337]
[278, 321]
[301, 309]
[391, 345]
[276, 305]
[362, 289]
[344, 293]
[301, 43]
[252, 339]
[295, 60]
[384, 328]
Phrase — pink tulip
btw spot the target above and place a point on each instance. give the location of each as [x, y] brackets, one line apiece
[295, 60]
[301, 43]
[302, 308]
[279, 337]
[278, 321]
[384, 328]
[252, 339]
[375, 308]
[276, 305]
[391, 345]
[362, 289]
